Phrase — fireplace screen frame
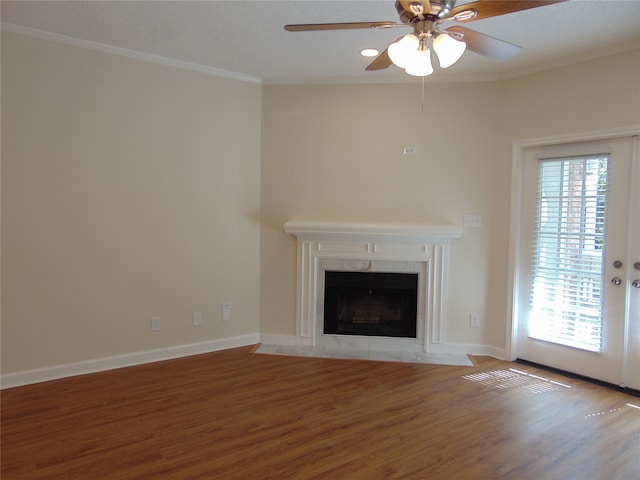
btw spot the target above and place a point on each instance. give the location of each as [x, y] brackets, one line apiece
[371, 303]
[364, 342]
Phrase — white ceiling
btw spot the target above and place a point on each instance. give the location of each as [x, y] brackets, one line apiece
[247, 37]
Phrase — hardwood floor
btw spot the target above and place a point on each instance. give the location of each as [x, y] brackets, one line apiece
[234, 414]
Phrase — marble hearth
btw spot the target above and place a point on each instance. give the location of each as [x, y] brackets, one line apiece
[398, 248]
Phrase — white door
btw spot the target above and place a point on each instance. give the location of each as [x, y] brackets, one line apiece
[631, 372]
[577, 306]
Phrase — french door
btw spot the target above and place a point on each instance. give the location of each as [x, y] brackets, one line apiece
[577, 274]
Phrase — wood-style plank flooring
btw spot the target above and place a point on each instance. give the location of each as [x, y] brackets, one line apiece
[238, 415]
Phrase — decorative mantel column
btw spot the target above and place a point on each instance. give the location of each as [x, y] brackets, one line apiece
[389, 242]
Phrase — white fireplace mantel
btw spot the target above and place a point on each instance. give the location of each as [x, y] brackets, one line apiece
[427, 244]
[372, 232]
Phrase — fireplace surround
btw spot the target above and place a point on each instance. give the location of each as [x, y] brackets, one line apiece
[388, 248]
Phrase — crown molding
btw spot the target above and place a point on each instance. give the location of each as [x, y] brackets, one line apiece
[124, 52]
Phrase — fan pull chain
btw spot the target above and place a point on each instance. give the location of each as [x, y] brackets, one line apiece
[423, 85]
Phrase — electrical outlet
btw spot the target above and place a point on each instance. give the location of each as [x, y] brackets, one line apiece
[474, 319]
[226, 311]
[155, 324]
[197, 319]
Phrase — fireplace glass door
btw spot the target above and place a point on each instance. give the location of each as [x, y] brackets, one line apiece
[371, 303]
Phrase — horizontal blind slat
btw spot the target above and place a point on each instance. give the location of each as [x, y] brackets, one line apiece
[565, 297]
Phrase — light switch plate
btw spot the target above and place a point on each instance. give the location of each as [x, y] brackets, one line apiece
[472, 221]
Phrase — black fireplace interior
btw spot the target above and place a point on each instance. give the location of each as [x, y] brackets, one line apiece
[371, 303]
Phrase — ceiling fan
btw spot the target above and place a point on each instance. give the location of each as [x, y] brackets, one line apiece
[428, 19]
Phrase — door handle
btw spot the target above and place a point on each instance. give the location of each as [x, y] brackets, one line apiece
[635, 284]
[616, 280]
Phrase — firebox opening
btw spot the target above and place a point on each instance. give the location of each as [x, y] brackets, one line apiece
[371, 303]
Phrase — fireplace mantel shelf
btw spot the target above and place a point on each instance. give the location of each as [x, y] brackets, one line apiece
[393, 232]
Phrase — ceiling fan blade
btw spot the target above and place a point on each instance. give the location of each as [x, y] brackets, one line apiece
[309, 27]
[485, 45]
[493, 8]
[381, 62]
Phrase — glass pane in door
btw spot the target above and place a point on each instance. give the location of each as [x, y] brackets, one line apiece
[566, 300]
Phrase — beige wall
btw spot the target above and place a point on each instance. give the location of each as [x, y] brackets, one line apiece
[335, 153]
[129, 189]
[600, 94]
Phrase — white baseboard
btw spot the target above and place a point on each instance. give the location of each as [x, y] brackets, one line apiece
[38, 375]
[28, 377]
[476, 349]
[280, 340]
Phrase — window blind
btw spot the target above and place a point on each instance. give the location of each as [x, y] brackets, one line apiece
[566, 290]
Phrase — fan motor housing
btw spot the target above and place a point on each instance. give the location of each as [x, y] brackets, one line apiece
[438, 9]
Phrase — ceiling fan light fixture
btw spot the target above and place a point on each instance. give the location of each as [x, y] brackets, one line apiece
[448, 49]
[411, 54]
[402, 51]
[421, 64]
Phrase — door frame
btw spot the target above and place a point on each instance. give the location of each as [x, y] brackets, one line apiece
[515, 218]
